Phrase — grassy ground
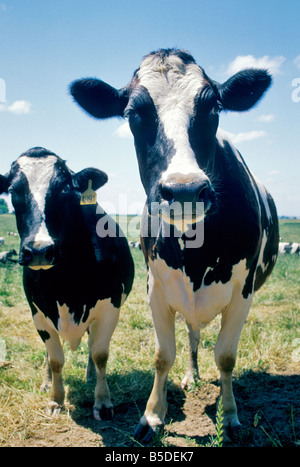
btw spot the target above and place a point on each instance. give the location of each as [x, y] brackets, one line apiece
[267, 373]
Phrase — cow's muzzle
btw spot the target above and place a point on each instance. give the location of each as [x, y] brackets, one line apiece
[43, 257]
[186, 203]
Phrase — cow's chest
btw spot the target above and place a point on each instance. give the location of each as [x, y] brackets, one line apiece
[198, 307]
[67, 326]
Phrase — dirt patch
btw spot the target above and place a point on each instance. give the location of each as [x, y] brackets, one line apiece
[269, 410]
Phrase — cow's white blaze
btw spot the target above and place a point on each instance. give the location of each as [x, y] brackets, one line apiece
[173, 87]
[38, 172]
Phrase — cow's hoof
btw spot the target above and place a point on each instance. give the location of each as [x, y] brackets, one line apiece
[146, 433]
[53, 409]
[189, 381]
[231, 433]
[103, 413]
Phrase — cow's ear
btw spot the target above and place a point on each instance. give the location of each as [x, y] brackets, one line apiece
[99, 99]
[4, 184]
[244, 89]
[81, 179]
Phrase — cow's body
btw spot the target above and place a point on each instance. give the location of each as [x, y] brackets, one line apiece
[74, 280]
[172, 107]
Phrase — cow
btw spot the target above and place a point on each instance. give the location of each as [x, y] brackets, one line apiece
[291, 248]
[173, 110]
[7, 256]
[135, 245]
[74, 280]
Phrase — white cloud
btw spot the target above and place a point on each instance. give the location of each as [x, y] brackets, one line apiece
[249, 61]
[268, 118]
[17, 107]
[3, 7]
[123, 131]
[20, 107]
[297, 61]
[237, 138]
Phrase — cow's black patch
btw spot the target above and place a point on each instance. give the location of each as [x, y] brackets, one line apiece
[44, 335]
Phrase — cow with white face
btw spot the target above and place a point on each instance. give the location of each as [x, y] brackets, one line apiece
[207, 259]
[74, 280]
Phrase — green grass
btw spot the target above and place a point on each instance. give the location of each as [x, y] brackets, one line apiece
[268, 344]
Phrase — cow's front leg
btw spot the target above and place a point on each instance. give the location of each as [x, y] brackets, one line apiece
[47, 379]
[192, 373]
[163, 319]
[56, 363]
[232, 322]
[100, 336]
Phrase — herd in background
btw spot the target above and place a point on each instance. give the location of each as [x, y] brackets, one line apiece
[285, 248]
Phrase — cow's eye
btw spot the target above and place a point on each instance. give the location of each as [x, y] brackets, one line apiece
[217, 106]
[135, 122]
[17, 196]
[207, 103]
[65, 189]
[128, 112]
[143, 127]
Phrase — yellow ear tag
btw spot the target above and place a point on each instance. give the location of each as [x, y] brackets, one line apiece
[89, 196]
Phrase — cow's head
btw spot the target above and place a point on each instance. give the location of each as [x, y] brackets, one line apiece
[172, 107]
[46, 197]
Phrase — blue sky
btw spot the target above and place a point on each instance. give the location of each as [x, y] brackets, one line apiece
[47, 44]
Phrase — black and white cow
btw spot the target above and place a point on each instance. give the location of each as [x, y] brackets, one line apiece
[291, 248]
[74, 280]
[172, 107]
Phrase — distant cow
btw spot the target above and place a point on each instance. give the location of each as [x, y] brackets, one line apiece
[74, 280]
[135, 245]
[291, 248]
[2, 240]
[7, 256]
[192, 176]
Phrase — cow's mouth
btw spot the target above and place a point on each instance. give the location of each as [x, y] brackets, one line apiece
[42, 266]
[183, 215]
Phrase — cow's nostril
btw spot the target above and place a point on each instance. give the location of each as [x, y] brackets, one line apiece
[26, 256]
[49, 254]
[203, 193]
[167, 194]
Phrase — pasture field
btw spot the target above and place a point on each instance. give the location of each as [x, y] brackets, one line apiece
[266, 383]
